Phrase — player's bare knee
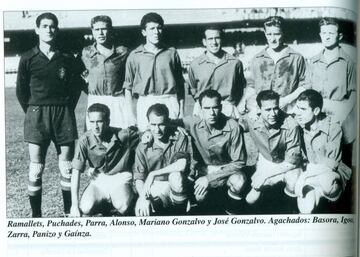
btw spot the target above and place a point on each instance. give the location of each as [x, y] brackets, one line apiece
[122, 207]
[236, 182]
[332, 190]
[35, 171]
[86, 207]
[176, 182]
[65, 168]
[291, 178]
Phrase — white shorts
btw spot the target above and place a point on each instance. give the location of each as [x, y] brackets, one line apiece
[144, 102]
[118, 110]
[228, 109]
[107, 185]
[289, 178]
[327, 184]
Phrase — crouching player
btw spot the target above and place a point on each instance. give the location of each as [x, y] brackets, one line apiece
[277, 137]
[161, 167]
[108, 152]
[325, 174]
[221, 155]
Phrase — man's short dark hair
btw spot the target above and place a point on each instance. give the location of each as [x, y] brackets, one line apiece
[49, 16]
[329, 21]
[266, 95]
[213, 27]
[158, 110]
[274, 21]
[151, 17]
[102, 18]
[100, 108]
[210, 93]
[313, 97]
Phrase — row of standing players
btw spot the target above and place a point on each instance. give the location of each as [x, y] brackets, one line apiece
[48, 87]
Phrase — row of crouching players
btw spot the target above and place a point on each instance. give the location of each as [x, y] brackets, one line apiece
[197, 164]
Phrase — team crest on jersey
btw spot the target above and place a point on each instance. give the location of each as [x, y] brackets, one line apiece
[62, 73]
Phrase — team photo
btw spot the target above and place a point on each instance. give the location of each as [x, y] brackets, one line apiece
[159, 113]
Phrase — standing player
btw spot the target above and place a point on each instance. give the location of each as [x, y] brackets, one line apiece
[48, 88]
[278, 67]
[216, 69]
[325, 174]
[222, 156]
[154, 73]
[332, 74]
[105, 72]
[109, 153]
[161, 168]
[277, 137]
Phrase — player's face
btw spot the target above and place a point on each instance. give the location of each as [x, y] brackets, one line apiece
[98, 123]
[158, 126]
[152, 33]
[212, 41]
[274, 36]
[269, 111]
[101, 32]
[211, 109]
[46, 31]
[329, 35]
[304, 114]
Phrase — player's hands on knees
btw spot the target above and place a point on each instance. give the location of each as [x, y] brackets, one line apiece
[91, 173]
[142, 207]
[201, 185]
[74, 211]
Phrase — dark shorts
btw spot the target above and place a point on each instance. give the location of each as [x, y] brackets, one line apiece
[50, 123]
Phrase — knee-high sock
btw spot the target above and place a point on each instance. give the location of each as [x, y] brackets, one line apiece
[65, 171]
[34, 187]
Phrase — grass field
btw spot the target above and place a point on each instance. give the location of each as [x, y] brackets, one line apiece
[17, 160]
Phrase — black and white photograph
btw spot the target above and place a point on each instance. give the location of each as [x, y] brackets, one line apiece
[180, 112]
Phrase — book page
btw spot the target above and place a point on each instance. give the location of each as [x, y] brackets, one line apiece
[270, 166]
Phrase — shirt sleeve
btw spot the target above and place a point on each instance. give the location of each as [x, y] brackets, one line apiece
[23, 83]
[244, 121]
[237, 90]
[192, 81]
[332, 157]
[185, 151]
[77, 83]
[351, 77]
[129, 72]
[180, 85]
[293, 146]
[302, 71]
[81, 155]
[84, 72]
[140, 167]
[237, 153]
[131, 136]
